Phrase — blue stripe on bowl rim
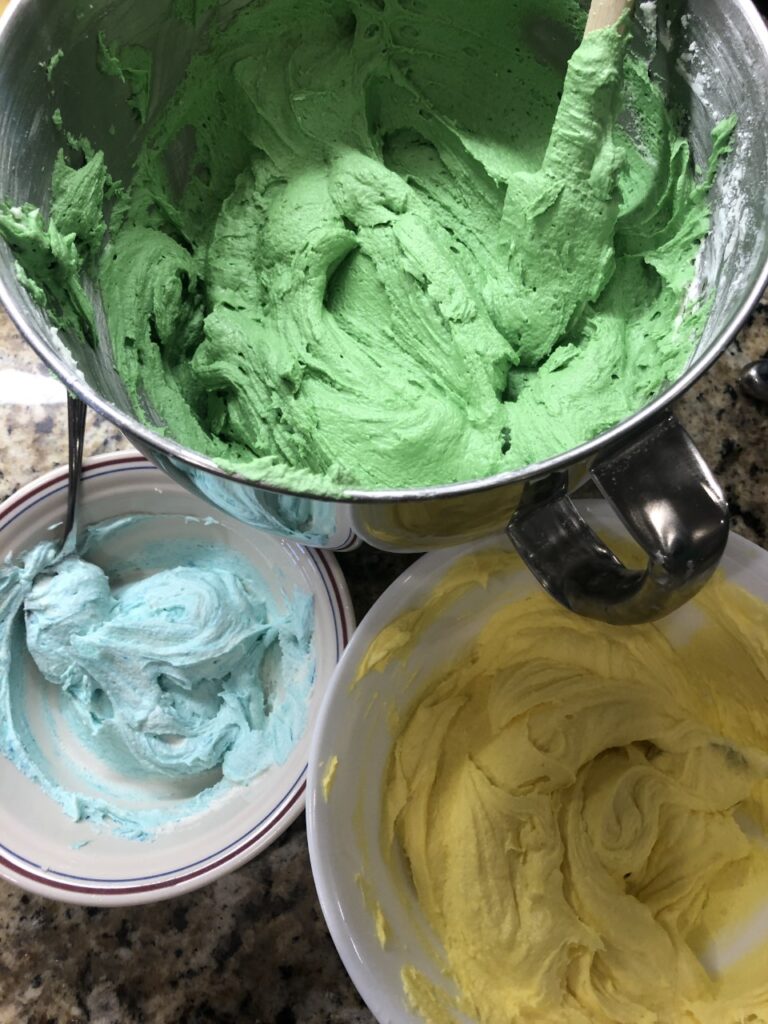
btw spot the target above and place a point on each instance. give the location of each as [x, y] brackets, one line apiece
[31, 495]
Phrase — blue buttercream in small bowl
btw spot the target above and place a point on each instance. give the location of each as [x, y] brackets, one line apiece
[157, 686]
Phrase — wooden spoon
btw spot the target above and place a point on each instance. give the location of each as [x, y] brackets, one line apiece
[604, 13]
[548, 216]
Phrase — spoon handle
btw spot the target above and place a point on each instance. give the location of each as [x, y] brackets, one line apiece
[76, 413]
[604, 13]
[754, 380]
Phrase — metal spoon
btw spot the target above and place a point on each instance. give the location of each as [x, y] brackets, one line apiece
[76, 413]
[754, 380]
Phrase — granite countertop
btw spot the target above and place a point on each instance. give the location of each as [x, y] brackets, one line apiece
[253, 947]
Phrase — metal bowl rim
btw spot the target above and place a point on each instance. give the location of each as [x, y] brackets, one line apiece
[582, 453]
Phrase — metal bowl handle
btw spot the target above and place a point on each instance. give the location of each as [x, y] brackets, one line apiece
[666, 496]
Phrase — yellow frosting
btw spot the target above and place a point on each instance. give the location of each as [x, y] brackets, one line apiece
[329, 776]
[583, 808]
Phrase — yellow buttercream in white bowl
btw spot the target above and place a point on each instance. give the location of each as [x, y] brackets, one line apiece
[520, 815]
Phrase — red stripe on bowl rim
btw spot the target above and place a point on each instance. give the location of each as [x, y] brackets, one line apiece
[170, 883]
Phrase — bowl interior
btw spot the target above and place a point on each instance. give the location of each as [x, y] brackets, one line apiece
[352, 875]
[728, 36]
[37, 837]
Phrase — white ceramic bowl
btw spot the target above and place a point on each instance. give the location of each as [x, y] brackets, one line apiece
[40, 847]
[344, 831]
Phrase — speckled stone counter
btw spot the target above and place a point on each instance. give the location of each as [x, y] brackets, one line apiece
[253, 946]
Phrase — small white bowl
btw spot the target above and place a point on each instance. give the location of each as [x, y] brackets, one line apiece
[345, 829]
[40, 847]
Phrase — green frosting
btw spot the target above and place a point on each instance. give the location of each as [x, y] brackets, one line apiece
[50, 65]
[192, 11]
[380, 243]
[133, 66]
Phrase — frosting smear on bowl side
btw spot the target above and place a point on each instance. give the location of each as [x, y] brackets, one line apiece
[583, 811]
[180, 666]
[374, 244]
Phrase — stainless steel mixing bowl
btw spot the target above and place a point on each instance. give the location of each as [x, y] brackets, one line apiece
[713, 61]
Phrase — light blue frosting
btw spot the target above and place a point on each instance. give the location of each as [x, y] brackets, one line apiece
[189, 672]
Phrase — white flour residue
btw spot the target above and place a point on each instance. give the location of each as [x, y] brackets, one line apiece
[646, 18]
[724, 257]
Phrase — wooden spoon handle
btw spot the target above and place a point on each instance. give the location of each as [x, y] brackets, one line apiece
[604, 13]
